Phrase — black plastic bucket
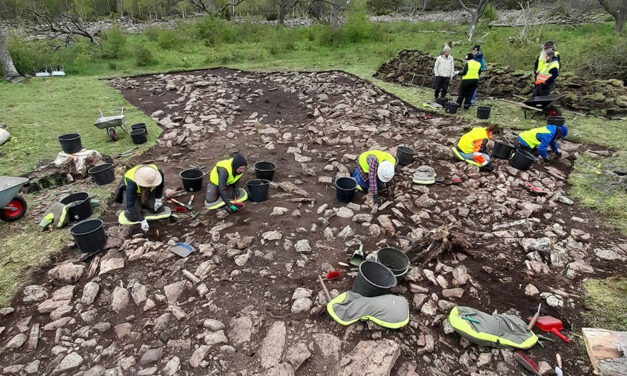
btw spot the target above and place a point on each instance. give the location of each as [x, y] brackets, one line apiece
[555, 120]
[139, 136]
[502, 151]
[441, 101]
[70, 143]
[259, 190]
[483, 112]
[373, 279]
[102, 174]
[192, 179]
[404, 155]
[264, 170]
[78, 204]
[89, 235]
[345, 189]
[522, 160]
[451, 107]
[139, 126]
[396, 260]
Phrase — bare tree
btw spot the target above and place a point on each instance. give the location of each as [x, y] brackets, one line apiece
[67, 23]
[8, 68]
[425, 4]
[209, 6]
[618, 10]
[475, 15]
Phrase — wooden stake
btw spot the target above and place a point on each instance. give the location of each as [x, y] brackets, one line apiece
[324, 287]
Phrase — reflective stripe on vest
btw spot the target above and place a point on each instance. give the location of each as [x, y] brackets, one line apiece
[380, 155]
[473, 70]
[466, 143]
[544, 74]
[531, 136]
[130, 175]
[226, 164]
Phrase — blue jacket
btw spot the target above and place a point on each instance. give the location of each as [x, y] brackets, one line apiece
[545, 136]
[479, 58]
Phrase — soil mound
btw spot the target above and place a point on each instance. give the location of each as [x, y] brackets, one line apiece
[600, 97]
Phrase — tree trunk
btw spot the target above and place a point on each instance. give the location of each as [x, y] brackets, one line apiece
[282, 13]
[618, 10]
[425, 5]
[473, 25]
[619, 26]
[8, 68]
[335, 14]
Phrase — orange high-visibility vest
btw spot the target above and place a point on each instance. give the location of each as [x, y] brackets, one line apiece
[544, 74]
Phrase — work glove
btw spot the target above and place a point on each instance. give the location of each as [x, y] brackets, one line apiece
[232, 208]
[377, 200]
[144, 225]
[239, 204]
[558, 154]
[158, 204]
[546, 160]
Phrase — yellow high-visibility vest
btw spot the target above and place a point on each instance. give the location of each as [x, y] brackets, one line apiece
[226, 164]
[380, 155]
[130, 175]
[466, 143]
[473, 70]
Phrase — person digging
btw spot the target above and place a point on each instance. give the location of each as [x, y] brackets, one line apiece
[374, 171]
[222, 188]
[472, 147]
[141, 189]
[538, 140]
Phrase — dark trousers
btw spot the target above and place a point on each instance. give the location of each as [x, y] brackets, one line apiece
[441, 84]
[541, 90]
[466, 90]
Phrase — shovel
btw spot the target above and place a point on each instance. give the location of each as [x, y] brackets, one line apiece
[357, 257]
[183, 249]
[551, 324]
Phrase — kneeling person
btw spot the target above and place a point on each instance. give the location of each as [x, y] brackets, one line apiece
[374, 168]
[222, 188]
[539, 139]
[472, 147]
[144, 189]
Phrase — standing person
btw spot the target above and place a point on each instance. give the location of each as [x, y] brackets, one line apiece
[142, 189]
[478, 56]
[374, 168]
[541, 60]
[222, 188]
[545, 79]
[444, 70]
[472, 147]
[470, 79]
[539, 139]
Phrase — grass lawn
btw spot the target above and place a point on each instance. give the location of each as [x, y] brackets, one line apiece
[38, 111]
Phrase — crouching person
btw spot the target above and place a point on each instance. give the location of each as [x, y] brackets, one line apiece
[472, 147]
[141, 189]
[374, 169]
[538, 140]
[222, 188]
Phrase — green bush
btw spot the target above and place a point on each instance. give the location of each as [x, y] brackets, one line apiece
[31, 56]
[382, 7]
[210, 29]
[152, 33]
[490, 14]
[358, 28]
[143, 56]
[112, 43]
[328, 36]
[170, 39]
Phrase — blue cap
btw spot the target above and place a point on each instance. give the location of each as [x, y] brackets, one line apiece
[563, 131]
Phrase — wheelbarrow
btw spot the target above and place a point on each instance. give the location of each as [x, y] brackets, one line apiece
[544, 105]
[109, 123]
[12, 206]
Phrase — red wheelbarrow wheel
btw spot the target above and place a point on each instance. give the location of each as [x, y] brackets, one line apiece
[17, 209]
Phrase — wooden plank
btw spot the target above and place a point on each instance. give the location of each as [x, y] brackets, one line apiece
[602, 344]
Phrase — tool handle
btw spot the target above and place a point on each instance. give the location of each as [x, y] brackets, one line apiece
[533, 320]
[559, 360]
[324, 287]
[557, 333]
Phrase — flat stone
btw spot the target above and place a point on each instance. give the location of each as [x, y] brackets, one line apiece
[120, 299]
[172, 366]
[66, 273]
[240, 330]
[297, 354]
[173, 291]
[34, 293]
[278, 211]
[70, 362]
[453, 293]
[302, 246]
[151, 356]
[212, 324]
[301, 305]
[17, 341]
[484, 359]
[607, 255]
[216, 338]
[531, 290]
[90, 291]
[373, 358]
[199, 355]
[282, 369]
[272, 235]
[107, 265]
[56, 324]
[273, 345]
[429, 308]
[344, 212]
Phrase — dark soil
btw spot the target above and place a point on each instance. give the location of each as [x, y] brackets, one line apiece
[266, 283]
